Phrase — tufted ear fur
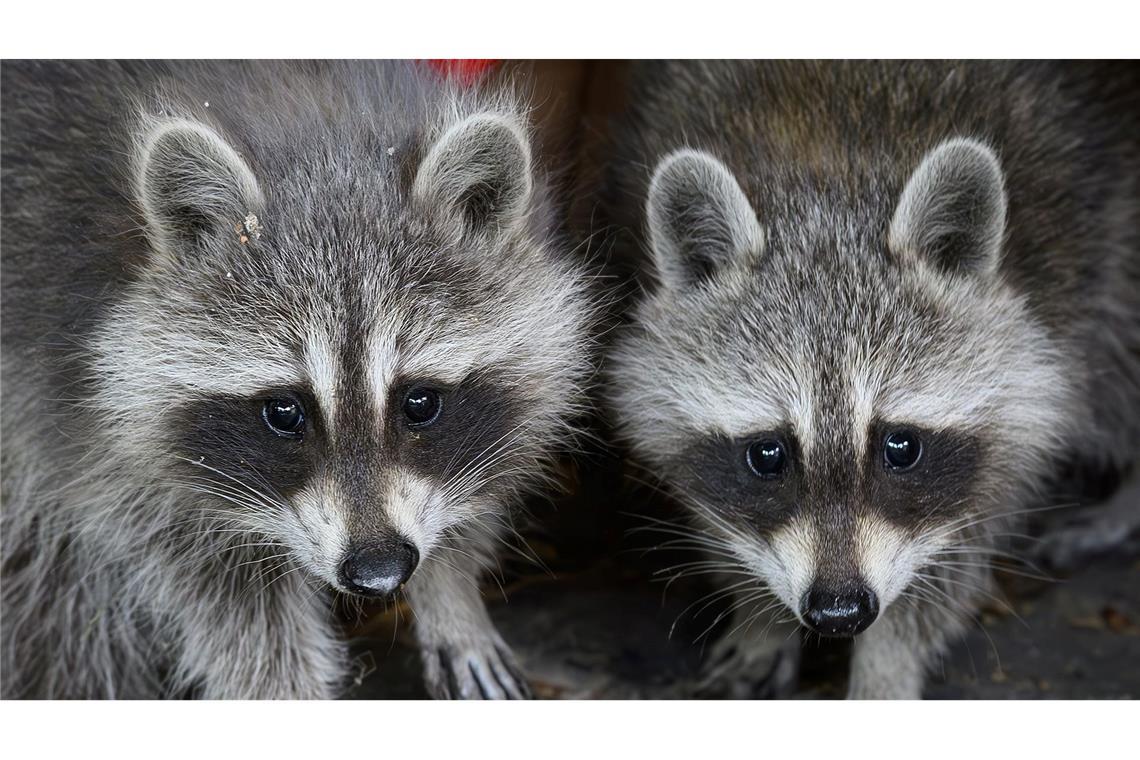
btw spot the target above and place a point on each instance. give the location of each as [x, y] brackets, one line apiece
[698, 218]
[479, 173]
[191, 184]
[952, 211]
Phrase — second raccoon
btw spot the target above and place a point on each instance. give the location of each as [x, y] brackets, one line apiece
[889, 300]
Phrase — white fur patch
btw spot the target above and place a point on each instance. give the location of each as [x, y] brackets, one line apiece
[382, 366]
[790, 575]
[408, 506]
[726, 413]
[887, 558]
[448, 359]
[864, 395]
[149, 360]
[318, 526]
[736, 401]
[801, 410]
[321, 364]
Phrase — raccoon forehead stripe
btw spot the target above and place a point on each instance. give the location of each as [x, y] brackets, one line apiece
[382, 364]
[321, 364]
[802, 412]
[864, 391]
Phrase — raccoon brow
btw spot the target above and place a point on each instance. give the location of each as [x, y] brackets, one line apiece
[783, 433]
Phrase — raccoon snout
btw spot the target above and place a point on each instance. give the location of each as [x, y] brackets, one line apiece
[839, 612]
[377, 570]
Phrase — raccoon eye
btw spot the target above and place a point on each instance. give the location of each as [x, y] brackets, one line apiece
[902, 450]
[766, 458]
[284, 416]
[422, 406]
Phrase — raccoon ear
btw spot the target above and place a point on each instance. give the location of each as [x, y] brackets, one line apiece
[479, 171]
[191, 184]
[698, 218]
[952, 211]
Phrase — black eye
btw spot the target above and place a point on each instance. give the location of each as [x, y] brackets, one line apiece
[767, 458]
[422, 406]
[284, 416]
[902, 450]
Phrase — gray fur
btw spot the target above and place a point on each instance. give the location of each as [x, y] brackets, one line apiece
[182, 240]
[480, 171]
[185, 174]
[953, 208]
[879, 185]
[698, 218]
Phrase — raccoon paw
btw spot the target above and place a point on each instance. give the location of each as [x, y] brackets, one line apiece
[474, 673]
[741, 669]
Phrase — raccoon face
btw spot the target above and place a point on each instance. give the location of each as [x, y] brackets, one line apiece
[354, 362]
[847, 397]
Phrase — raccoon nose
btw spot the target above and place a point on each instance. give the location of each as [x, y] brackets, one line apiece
[377, 570]
[839, 612]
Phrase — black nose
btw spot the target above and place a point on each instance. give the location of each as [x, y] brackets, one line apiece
[379, 569]
[843, 611]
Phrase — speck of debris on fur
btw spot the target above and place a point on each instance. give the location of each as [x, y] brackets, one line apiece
[252, 228]
[229, 275]
[391, 151]
[207, 104]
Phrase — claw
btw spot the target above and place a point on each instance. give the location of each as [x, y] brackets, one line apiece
[750, 672]
[481, 676]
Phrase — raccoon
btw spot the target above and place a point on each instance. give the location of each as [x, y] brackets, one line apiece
[886, 301]
[272, 332]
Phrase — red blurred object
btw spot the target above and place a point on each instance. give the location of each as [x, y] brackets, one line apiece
[467, 70]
